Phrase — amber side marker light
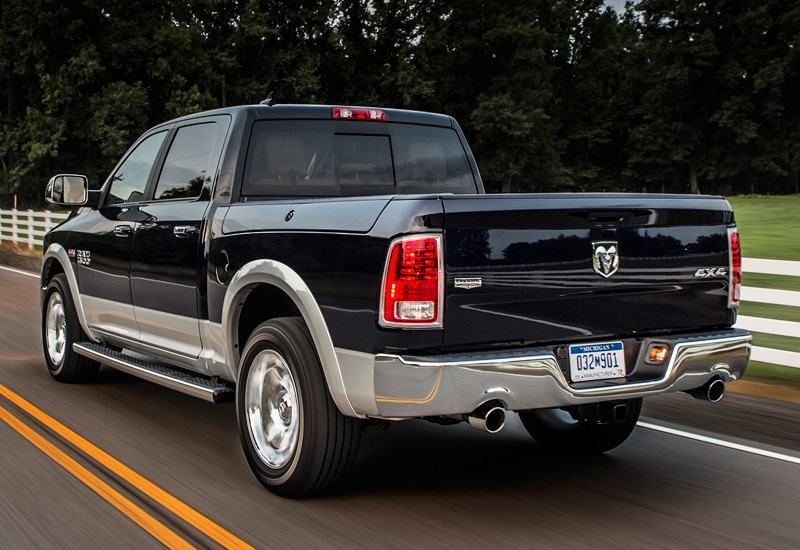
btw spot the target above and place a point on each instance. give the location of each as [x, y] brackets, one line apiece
[657, 354]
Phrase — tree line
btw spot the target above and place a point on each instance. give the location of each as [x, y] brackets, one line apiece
[553, 95]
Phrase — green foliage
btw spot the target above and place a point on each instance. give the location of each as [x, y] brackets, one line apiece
[769, 227]
[553, 95]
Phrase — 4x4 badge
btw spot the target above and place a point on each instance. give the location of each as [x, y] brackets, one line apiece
[605, 257]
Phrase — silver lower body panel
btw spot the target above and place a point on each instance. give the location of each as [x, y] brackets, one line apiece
[406, 387]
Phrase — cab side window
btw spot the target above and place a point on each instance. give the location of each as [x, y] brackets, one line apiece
[130, 180]
[186, 167]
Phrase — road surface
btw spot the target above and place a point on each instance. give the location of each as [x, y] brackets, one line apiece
[121, 463]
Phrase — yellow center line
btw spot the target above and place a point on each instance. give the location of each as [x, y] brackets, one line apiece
[218, 534]
[144, 520]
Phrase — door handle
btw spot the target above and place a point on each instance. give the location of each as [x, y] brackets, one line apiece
[123, 231]
[183, 231]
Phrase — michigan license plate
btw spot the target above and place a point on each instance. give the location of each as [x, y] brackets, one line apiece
[596, 361]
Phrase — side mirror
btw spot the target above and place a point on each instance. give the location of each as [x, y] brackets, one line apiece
[67, 190]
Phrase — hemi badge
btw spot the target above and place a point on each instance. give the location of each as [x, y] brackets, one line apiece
[468, 282]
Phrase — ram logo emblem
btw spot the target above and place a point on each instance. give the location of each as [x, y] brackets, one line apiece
[605, 257]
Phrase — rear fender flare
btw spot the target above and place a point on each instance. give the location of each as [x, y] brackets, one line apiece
[283, 277]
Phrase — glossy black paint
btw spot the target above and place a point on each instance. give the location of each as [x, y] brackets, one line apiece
[164, 266]
[107, 234]
[343, 270]
[534, 256]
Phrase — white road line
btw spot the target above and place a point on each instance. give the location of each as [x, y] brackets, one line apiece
[11, 269]
[720, 442]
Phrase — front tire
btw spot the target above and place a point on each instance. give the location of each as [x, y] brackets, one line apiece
[61, 329]
[559, 430]
[296, 441]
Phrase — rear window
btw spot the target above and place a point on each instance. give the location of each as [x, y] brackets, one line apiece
[308, 158]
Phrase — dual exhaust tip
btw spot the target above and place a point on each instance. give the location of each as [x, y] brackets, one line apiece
[712, 391]
[491, 417]
[487, 418]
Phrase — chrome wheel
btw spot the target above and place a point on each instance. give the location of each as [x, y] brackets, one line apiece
[56, 329]
[274, 415]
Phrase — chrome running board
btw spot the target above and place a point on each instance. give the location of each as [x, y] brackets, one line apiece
[209, 389]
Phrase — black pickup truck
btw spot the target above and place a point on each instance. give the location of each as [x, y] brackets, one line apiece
[331, 267]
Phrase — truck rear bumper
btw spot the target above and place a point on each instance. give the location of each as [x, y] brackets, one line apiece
[407, 387]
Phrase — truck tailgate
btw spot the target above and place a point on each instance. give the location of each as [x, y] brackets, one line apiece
[583, 266]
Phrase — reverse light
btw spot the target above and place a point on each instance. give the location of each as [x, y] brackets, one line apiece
[657, 353]
[358, 113]
[735, 255]
[413, 283]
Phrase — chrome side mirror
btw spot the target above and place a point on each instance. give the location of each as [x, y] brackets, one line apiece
[67, 190]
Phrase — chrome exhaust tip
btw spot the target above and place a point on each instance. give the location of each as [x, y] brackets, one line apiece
[712, 391]
[489, 419]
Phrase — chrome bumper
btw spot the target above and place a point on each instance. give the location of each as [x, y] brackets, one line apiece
[411, 387]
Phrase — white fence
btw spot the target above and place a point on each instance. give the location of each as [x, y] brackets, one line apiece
[28, 227]
[775, 297]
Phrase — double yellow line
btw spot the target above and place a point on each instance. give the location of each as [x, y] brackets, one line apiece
[147, 522]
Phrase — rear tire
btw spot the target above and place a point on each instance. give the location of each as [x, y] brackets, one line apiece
[61, 329]
[557, 430]
[294, 437]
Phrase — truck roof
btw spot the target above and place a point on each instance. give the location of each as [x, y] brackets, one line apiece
[325, 112]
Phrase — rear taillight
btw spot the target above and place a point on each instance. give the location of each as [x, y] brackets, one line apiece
[735, 254]
[413, 283]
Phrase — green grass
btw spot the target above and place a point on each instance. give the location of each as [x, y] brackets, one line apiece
[769, 311]
[769, 227]
[772, 373]
[776, 342]
[782, 282]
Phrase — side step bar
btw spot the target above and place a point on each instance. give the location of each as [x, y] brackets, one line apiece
[195, 385]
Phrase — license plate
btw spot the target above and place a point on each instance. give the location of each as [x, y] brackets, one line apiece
[596, 361]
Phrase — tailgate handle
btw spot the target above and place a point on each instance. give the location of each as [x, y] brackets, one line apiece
[608, 218]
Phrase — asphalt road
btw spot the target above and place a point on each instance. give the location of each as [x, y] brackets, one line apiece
[416, 485]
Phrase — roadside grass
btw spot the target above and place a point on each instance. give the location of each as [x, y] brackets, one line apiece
[762, 280]
[770, 311]
[772, 373]
[769, 226]
[776, 342]
[21, 250]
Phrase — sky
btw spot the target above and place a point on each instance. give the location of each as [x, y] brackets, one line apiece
[618, 5]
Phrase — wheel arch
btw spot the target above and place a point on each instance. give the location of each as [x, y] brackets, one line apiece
[269, 281]
[56, 260]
